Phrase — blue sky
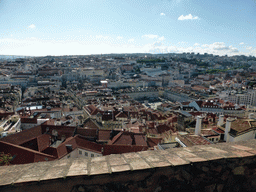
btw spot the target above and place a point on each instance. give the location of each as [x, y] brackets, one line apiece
[81, 27]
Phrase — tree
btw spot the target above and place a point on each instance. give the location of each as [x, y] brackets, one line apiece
[5, 159]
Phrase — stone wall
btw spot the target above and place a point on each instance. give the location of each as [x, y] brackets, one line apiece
[220, 167]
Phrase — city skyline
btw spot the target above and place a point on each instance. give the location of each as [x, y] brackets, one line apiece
[88, 27]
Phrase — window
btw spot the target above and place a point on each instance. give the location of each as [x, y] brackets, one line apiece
[85, 154]
[92, 155]
[80, 152]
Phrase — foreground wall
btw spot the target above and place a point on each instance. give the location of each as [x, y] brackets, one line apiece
[220, 167]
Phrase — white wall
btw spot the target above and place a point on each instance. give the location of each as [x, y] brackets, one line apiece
[76, 154]
[243, 137]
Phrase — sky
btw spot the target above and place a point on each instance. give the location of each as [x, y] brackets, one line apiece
[82, 27]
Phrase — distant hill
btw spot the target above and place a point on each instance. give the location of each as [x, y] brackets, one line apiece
[5, 57]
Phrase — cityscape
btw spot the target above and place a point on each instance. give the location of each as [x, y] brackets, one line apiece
[127, 96]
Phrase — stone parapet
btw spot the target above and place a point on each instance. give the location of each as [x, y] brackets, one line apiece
[220, 167]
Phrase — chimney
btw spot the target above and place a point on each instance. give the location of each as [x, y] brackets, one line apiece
[227, 129]
[221, 120]
[198, 125]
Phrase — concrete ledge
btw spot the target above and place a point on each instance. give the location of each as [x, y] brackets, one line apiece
[200, 167]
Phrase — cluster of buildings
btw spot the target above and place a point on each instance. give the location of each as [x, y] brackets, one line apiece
[88, 106]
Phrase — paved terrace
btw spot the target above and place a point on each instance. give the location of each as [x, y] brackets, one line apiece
[220, 167]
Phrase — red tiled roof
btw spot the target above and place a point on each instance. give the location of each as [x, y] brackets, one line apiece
[207, 133]
[118, 149]
[121, 114]
[190, 140]
[92, 109]
[28, 120]
[43, 141]
[87, 132]
[153, 141]
[107, 117]
[75, 142]
[68, 131]
[104, 135]
[183, 103]
[90, 124]
[49, 122]
[62, 151]
[140, 140]
[218, 130]
[162, 128]
[199, 103]
[121, 139]
[47, 110]
[152, 131]
[128, 138]
[51, 151]
[23, 155]
[70, 109]
[24, 136]
[88, 145]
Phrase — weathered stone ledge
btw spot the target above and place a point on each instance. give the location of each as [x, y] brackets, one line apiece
[201, 162]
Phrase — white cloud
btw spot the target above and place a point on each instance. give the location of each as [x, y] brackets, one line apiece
[150, 36]
[216, 48]
[162, 14]
[102, 37]
[241, 43]
[119, 37]
[88, 45]
[32, 26]
[157, 43]
[188, 17]
[219, 46]
[182, 42]
[161, 38]
[205, 45]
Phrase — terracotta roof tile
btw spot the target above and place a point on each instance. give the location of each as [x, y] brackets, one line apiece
[208, 132]
[218, 130]
[23, 155]
[24, 136]
[104, 135]
[163, 128]
[87, 132]
[153, 141]
[128, 138]
[190, 140]
[140, 140]
[85, 144]
[121, 114]
[43, 141]
[118, 149]
[90, 124]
